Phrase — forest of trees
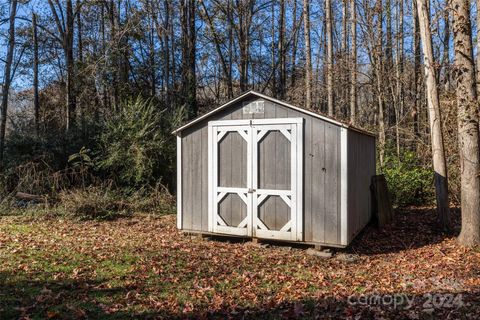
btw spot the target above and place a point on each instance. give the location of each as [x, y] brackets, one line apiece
[402, 69]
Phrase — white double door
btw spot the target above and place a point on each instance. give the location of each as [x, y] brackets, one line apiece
[255, 178]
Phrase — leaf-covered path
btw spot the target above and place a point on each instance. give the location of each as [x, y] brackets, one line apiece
[143, 267]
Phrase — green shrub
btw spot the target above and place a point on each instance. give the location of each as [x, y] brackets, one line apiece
[409, 182]
[136, 145]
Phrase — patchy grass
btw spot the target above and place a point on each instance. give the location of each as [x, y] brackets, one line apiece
[143, 267]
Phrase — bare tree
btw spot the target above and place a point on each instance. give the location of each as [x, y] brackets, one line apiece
[416, 69]
[378, 65]
[65, 29]
[273, 55]
[79, 74]
[446, 46]
[438, 152]
[281, 51]
[353, 62]
[187, 17]
[398, 95]
[217, 41]
[308, 54]
[344, 83]
[36, 102]
[329, 21]
[244, 12]
[294, 46]
[7, 76]
[468, 132]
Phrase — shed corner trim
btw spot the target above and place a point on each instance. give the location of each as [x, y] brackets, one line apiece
[179, 182]
[344, 186]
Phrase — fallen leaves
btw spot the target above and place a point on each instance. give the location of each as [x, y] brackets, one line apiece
[143, 266]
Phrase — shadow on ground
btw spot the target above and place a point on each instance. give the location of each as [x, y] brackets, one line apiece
[65, 299]
[411, 228]
[83, 300]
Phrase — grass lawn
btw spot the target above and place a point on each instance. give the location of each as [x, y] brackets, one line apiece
[143, 267]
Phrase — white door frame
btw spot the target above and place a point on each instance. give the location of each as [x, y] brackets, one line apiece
[253, 131]
[293, 229]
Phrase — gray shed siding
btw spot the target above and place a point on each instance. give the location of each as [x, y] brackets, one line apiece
[361, 168]
[321, 174]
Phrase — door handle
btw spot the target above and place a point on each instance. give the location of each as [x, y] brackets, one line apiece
[250, 190]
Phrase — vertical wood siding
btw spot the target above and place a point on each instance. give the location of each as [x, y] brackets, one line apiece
[361, 168]
[321, 174]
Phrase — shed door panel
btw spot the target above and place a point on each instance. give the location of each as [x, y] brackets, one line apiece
[276, 189]
[230, 172]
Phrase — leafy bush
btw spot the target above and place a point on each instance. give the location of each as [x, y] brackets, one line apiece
[136, 145]
[409, 182]
[106, 168]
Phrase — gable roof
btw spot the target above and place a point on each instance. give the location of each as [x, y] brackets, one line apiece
[276, 101]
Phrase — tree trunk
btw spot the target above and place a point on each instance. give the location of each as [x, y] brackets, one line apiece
[151, 51]
[217, 41]
[401, 46]
[69, 61]
[308, 55]
[245, 14]
[281, 52]
[399, 73]
[294, 46]
[65, 29]
[166, 51]
[468, 132]
[188, 56]
[105, 95]
[344, 83]
[274, 55]
[173, 41]
[163, 34]
[114, 49]
[388, 31]
[416, 70]
[438, 153]
[36, 100]
[230, 48]
[329, 19]
[379, 78]
[353, 62]
[79, 77]
[446, 47]
[7, 78]
[478, 50]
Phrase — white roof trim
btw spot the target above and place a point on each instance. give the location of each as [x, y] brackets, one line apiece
[260, 95]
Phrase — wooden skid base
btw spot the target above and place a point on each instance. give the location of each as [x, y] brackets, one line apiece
[317, 245]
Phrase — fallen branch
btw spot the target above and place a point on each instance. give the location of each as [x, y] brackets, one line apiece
[29, 197]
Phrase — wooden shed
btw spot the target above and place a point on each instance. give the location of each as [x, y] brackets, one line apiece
[262, 168]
